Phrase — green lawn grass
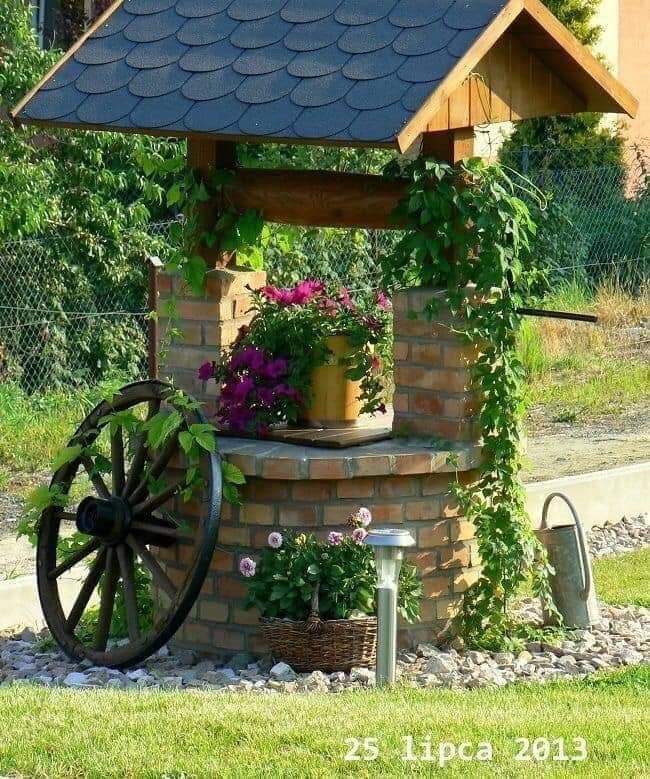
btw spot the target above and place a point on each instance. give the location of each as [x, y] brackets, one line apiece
[55, 734]
[624, 578]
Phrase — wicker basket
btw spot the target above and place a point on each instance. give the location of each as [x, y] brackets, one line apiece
[324, 645]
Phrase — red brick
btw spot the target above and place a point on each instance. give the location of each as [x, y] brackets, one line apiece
[435, 535]
[432, 378]
[422, 510]
[222, 561]
[327, 469]
[256, 514]
[387, 512]
[369, 466]
[305, 516]
[464, 580]
[436, 586]
[458, 556]
[425, 403]
[165, 283]
[460, 356]
[200, 310]
[400, 350]
[281, 469]
[231, 587]
[436, 483]
[429, 354]
[401, 401]
[447, 608]
[355, 488]
[316, 491]
[462, 530]
[213, 611]
[413, 464]
[194, 633]
[337, 514]
[260, 490]
[426, 562]
[238, 536]
[396, 486]
[228, 639]
[246, 617]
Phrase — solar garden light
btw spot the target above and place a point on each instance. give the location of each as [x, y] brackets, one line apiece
[389, 545]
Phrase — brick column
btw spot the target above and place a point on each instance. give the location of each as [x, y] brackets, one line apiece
[433, 388]
[209, 324]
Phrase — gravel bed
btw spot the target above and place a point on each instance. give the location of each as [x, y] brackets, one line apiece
[625, 536]
[623, 638]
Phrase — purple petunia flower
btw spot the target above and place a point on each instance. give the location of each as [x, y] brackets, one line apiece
[206, 371]
[247, 567]
[335, 538]
[383, 301]
[359, 534]
[275, 540]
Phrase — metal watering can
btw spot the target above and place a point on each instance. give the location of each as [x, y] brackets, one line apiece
[572, 582]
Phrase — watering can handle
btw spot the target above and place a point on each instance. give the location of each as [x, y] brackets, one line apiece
[586, 571]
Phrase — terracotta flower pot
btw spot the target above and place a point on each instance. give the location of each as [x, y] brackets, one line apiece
[336, 399]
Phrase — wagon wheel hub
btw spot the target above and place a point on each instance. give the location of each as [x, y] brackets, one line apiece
[108, 519]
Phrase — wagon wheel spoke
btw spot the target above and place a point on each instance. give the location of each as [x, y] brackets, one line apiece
[87, 589]
[125, 558]
[98, 483]
[75, 557]
[160, 530]
[156, 501]
[156, 467]
[117, 461]
[158, 574]
[139, 457]
[107, 601]
[66, 516]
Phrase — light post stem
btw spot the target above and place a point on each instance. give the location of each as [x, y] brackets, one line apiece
[386, 635]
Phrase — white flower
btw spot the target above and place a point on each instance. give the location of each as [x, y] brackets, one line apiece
[275, 540]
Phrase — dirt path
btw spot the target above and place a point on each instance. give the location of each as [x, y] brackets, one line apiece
[562, 449]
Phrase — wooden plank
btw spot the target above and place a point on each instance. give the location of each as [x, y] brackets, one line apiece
[500, 75]
[480, 95]
[459, 107]
[80, 41]
[316, 198]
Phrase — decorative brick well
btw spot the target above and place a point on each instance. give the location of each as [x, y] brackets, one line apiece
[404, 481]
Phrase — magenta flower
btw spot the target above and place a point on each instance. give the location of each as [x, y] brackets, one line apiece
[275, 369]
[275, 540]
[335, 538]
[247, 567]
[240, 391]
[359, 534]
[383, 301]
[375, 364]
[206, 371]
[346, 300]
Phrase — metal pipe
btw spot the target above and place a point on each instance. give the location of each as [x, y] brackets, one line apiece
[557, 314]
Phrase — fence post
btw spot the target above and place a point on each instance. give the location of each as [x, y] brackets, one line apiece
[154, 265]
[525, 159]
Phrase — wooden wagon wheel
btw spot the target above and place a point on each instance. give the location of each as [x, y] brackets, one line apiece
[125, 531]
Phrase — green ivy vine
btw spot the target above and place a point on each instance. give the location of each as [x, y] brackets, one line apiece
[466, 225]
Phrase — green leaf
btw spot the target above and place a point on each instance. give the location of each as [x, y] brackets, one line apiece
[186, 441]
[231, 473]
[204, 435]
[194, 272]
[66, 455]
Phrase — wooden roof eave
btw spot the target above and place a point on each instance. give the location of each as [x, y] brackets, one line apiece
[579, 54]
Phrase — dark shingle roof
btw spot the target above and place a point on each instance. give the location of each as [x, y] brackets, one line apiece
[346, 70]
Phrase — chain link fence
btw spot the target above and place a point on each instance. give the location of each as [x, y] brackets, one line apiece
[66, 326]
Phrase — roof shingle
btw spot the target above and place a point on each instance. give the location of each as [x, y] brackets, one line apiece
[347, 69]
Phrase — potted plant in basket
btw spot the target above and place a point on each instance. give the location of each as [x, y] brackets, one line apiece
[317, 600]
[310, 356]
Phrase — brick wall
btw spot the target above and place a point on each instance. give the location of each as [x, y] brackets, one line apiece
[433, 395]
[446, 553]
[208, 324]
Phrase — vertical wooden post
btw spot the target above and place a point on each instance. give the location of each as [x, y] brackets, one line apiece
[153, 329]
[451, 146]
[206, 156]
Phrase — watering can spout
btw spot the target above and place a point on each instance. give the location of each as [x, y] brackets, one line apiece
[572, 580]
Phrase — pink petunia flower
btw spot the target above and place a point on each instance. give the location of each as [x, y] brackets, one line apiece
[275, 540]
[383, 301]
[359, 534]
[335, 538]
[364, 516]
[247, 567]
